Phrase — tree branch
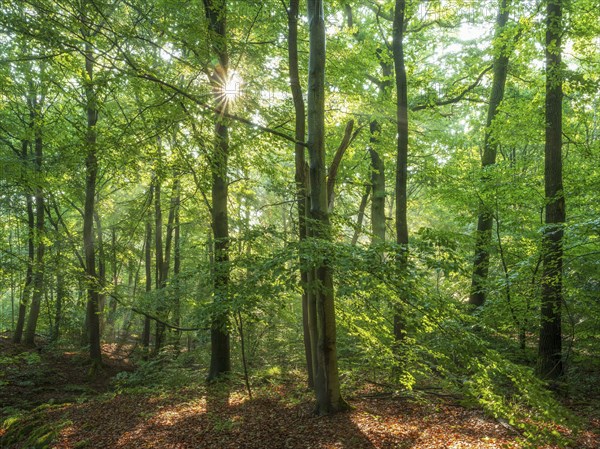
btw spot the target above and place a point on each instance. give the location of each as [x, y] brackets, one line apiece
[455, 99]
[337, 159]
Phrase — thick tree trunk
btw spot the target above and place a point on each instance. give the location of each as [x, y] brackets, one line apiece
[220, 360]
[550, 344]
[402, 155]
[91, 167]
[327, 383]
[300, 177]
[378, 186]
[483, 236]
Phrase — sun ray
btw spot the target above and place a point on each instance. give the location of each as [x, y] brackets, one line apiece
[231, 88]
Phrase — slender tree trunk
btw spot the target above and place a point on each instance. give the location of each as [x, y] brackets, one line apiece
[12, 283]
[173, 216]
[176, 271]
[327, 383]
[300, 178]
[91, 167]
[220, 361]
[148, 268]
[481, 260]
[18, 334]
[112, 305]
[40, 213]
[377, 163]
[163, 258]
[402, 155]
[61, 293]
[550, 344]
[160, 275]
[101, 270]
[361, 215]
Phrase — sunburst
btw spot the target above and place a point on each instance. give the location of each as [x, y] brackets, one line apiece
[230, 89]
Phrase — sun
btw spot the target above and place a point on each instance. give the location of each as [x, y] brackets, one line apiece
[231, 89]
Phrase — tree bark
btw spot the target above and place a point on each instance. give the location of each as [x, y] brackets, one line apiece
[160, 275]
[91, 168]
[361, 215]
[377, 175]
[40, 213]
[377, 185]
[18, 334]
[402, 155]
[148, 269]
[550, 344]
[101, 269]
[61, 293]
[327, 383]
[220, 361]
[300, 176]
[483, 236]
[176, 271]
[112, 305]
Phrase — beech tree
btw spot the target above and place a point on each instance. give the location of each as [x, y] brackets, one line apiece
[401, 155]
[488, 157]
[321, 309]
[300, 173]
[35, 104]
[209, 171]
[550, 342]
[220, 361]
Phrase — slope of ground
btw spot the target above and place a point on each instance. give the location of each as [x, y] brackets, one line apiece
[84, 414]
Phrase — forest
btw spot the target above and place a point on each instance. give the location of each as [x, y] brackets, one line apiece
[300, 224]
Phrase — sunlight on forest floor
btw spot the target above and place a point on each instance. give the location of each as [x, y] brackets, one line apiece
[80, 413]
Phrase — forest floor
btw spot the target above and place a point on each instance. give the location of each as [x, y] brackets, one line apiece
[59, 407]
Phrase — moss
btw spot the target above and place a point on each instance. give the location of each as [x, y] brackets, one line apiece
[31, 430]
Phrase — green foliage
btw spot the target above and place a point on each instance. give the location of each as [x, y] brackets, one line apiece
[31, 430]
[445, 345]
[160, 374]
[156, 124]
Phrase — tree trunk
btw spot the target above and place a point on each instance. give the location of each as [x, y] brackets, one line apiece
[402, 156]
[300, 177]
[148, 268]
[327, 383]
[160, 275]
[101, 270]
[220, 360]
[481, 259]
[18, 334]
[377, 164]
[61, 293]
[361, 215]
[40, 213]
[378, 186]
[550, 344]
[112, 305]
[91, 167]
[176, 271]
